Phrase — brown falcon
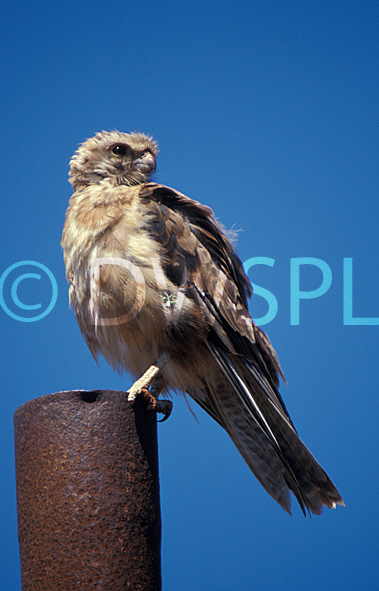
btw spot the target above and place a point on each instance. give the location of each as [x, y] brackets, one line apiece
[152, 272]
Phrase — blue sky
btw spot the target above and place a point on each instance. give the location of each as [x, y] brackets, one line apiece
[267, 112]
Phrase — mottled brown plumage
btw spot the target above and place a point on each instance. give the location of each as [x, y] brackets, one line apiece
[151, 271]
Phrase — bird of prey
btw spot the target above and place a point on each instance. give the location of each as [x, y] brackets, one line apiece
[152, 273]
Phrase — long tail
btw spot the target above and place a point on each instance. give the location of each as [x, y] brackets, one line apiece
[248, 408]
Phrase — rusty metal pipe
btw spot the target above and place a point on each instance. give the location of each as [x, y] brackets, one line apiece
[87, 493]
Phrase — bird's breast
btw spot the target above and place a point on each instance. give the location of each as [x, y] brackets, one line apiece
[126, 307]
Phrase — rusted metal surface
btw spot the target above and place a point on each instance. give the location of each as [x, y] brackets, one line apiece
[87, 493]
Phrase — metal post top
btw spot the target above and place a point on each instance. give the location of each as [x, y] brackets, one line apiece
[87, 492]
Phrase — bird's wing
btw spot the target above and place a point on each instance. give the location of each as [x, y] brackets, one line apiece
[199, 257]
[198, 251]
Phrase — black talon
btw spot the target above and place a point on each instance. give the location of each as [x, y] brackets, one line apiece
[164, 407]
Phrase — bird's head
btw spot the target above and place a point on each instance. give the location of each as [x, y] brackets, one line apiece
[124, 158]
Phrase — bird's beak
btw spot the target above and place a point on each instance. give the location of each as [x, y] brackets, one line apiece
[146, 163]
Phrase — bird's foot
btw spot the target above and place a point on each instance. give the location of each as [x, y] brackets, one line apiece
[153, 406]
[140, 388]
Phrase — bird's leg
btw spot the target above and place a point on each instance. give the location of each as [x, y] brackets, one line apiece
[140, 388]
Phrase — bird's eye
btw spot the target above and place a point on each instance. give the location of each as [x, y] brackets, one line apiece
[119, 150]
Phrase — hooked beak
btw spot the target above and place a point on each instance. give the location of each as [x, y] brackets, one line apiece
[146, 163]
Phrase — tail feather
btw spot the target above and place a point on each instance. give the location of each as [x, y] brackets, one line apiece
[249, 410]
[254, 445]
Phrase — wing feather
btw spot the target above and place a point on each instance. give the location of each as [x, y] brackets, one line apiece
[199, 257]
[195, 243]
